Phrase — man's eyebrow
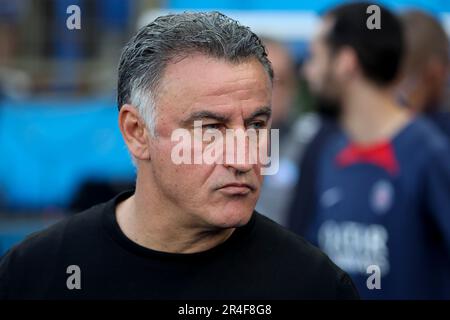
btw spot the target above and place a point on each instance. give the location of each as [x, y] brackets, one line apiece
[263, 111]
[200, 115]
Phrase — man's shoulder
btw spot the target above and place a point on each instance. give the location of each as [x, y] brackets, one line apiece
[32, 264]
[289, 245]
[303, 262]
[425, 133]
[48, 242]
[442, 121]
[285, 240]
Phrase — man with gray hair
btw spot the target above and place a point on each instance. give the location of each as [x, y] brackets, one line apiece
[187, 231]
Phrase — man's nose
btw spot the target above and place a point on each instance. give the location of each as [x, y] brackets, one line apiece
[238, 155]
[239, 168]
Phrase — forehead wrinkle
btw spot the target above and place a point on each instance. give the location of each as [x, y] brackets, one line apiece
[231, 96]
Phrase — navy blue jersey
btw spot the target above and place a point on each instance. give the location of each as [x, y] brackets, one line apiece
[441, 120]
[387, 206]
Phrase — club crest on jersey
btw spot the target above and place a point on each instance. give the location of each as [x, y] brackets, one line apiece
[381, 196]
[331, 197]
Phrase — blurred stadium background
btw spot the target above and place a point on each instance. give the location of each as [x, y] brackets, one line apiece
[60, 148]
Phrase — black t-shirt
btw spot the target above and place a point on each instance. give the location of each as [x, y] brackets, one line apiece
[88, 257]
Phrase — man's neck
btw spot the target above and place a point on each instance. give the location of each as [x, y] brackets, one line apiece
[156, 226]
[370, 114]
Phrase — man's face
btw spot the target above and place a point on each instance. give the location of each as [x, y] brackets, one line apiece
[223, 96]
[320, 67]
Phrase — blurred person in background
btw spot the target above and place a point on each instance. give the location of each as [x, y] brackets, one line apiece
[381, 198]
[297, 134]
[276, 190]
[284, 86]
[425, 71]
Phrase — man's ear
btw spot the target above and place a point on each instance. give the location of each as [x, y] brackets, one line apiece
[134, 132]
[346, 63]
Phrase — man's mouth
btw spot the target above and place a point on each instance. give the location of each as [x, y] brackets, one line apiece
[236, 188]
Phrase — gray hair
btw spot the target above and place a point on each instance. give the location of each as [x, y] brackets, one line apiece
[146, 55]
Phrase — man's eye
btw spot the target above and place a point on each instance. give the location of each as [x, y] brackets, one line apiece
[212, 126]
[257, 125]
